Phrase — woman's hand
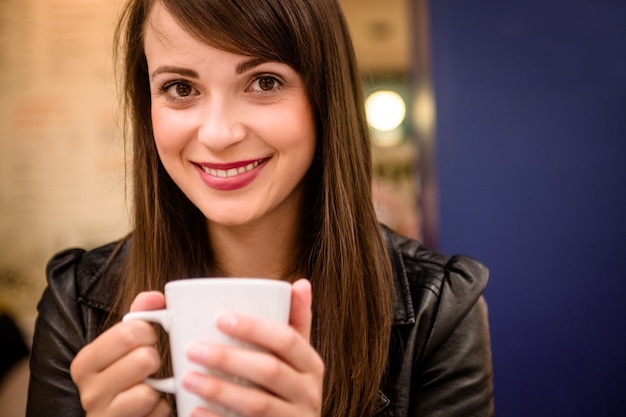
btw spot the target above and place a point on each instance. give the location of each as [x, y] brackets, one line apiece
[109, 371]
[289, 376]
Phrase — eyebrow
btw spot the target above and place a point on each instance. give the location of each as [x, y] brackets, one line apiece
[249, 64]
[240, 69]
[174, 70]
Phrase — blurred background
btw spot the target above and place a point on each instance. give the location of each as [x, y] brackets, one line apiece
[502, 136]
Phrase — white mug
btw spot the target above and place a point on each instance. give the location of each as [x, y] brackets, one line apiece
[193, 306]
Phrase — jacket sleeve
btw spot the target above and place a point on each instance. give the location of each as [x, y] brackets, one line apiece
[454, 375]
[59, 335]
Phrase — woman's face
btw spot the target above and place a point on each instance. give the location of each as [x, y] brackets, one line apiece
[236, 134]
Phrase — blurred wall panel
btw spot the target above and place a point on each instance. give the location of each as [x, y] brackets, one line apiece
[61, 151]
[531, 156]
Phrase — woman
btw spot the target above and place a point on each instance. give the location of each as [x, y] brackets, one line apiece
[251, 158]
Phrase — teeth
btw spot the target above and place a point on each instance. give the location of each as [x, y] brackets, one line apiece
[227, 173]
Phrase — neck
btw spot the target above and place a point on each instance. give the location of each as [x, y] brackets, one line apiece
[268, 251]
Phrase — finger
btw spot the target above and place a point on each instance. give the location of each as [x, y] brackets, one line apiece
[113, 344]
[148, 300]
[201, 412]
[123, 337]
[119, 358]
[279, 339]
[119, 339]
[138, 400]
[130, 370]
[300, 315]
[229, 395]
[162, 409]
[260, 368]
[98, 389]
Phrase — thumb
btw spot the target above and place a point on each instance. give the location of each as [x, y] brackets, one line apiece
[300, 315]
[148, 300]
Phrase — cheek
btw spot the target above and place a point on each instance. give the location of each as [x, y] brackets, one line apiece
[159, 126]
[168, 129]
[298, 129]
[170, 143]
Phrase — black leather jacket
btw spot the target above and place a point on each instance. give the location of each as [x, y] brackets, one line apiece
[439, 360]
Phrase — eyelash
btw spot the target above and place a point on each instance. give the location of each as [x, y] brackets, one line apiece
[165, 89]
[278, 83]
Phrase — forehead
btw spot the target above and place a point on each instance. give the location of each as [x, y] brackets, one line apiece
[162, 33]
[161, 24]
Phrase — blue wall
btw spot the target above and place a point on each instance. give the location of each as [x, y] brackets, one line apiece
[531, 156]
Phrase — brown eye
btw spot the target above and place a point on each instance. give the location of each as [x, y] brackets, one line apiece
[267, 83]
[182, 90]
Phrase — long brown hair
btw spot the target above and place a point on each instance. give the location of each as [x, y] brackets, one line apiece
[344, 254]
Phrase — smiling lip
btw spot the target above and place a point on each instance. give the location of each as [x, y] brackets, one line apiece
[230, 176]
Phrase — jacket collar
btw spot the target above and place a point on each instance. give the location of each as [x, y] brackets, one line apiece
[403, 311]
[100, 276]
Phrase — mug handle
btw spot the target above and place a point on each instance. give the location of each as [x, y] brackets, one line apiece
[161, 317]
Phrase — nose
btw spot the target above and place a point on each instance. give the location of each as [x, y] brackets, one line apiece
[221, 124]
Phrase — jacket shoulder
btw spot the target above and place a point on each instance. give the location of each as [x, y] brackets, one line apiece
[431, 269]
[440, 351]
[78, 273]
[431, 288]
[69, 318]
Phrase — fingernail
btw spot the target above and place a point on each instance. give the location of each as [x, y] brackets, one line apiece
[193, 381]
[227, 321]
[197, 351]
